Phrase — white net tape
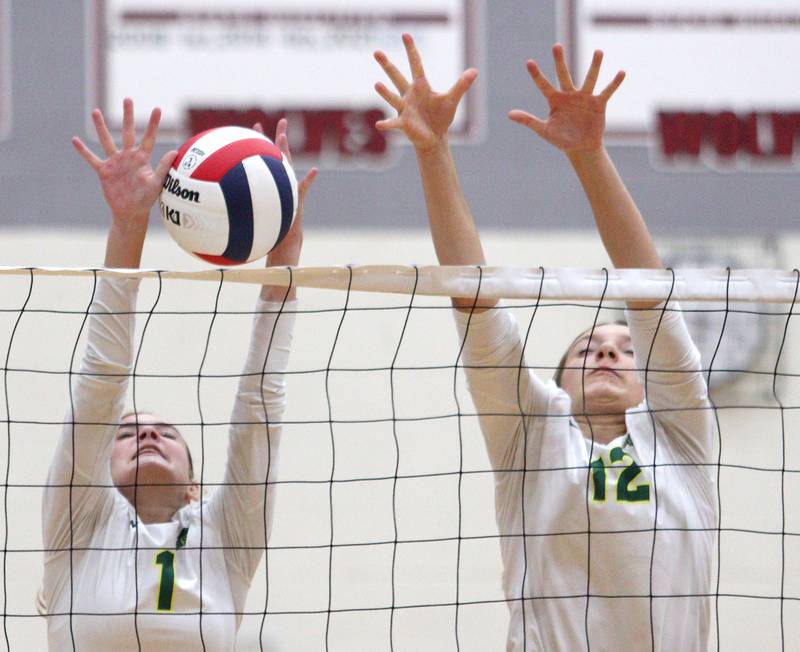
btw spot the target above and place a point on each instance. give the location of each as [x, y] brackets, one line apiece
[747, 285]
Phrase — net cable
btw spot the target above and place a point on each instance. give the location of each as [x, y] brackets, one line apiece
[355, 303]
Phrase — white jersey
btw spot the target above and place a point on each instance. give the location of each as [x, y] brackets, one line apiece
[598, 571]
[112, 582]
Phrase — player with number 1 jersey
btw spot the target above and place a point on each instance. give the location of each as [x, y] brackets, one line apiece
[135, 557]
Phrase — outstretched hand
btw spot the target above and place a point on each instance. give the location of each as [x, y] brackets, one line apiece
[423, 115]
[577, 117]
[130, 184]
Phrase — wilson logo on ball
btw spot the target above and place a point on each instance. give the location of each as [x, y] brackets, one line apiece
[242, 191]
[173, 187]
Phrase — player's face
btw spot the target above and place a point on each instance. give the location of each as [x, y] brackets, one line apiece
[609, 382]
[150, 451]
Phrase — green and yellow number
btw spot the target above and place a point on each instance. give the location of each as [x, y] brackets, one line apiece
[627, 491]
[166, 584]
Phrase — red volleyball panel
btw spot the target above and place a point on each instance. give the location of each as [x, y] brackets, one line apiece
[185, 147]
[216, 165]
[218, 260]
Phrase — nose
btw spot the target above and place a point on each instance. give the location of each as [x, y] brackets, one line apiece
[607, 350]
[146, 432]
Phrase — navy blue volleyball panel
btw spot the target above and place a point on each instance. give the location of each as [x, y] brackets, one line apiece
[284, 192]
[236, 191]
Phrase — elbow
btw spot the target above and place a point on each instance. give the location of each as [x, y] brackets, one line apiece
[94, 362]
[262, 408]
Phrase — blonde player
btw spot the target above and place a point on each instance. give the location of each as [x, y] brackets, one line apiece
[135, 558]
[607, 532]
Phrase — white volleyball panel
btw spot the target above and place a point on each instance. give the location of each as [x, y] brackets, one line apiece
[200, 232]
[266, 206]
[213, 141]
[197, 226]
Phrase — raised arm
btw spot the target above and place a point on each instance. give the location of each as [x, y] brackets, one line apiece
[575, 126]
[287, 253]
[425, 116]
[492, 346]
[130, 187]
[243, 505]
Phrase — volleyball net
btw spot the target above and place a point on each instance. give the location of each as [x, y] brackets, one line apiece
[384, 532]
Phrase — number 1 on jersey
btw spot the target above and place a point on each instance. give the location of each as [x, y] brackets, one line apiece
[166, 584]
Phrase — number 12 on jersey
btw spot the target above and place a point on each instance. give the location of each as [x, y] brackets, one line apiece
[627, 492]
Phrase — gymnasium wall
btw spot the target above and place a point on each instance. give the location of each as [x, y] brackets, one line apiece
[512, 180]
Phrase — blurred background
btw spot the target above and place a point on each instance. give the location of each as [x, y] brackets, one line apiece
[708, 112]
[704, 133]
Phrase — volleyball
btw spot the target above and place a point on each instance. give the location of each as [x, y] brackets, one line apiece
[230, 196]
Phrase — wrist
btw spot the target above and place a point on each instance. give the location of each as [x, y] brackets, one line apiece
[433, 148]
[131, 222]
[278, 293]
[434, 160]
[590, 156]
[124, 245]
[283, 260]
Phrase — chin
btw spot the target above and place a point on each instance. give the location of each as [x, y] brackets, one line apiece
[153, 471]
[609, 400]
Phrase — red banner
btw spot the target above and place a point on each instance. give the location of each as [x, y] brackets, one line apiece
[339, 133]
[767, 136]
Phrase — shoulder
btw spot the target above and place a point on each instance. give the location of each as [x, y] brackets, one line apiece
[206, 511]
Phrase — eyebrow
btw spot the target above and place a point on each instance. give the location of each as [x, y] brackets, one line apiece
[133, 424]
[586, 339]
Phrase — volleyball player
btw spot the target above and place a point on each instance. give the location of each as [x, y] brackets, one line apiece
[604, 469]
[135, 558]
